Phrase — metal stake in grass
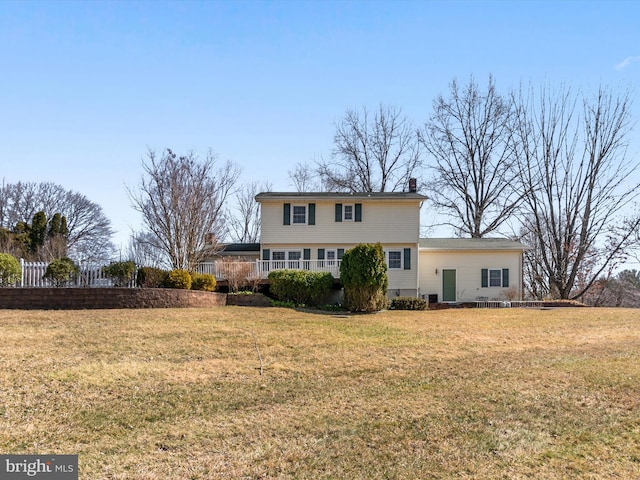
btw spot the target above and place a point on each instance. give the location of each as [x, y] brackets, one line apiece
[255, 344]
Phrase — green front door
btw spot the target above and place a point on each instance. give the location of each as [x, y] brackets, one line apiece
[448, 285]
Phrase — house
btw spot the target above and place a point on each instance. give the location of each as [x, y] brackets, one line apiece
[313, 230]
[470, 269]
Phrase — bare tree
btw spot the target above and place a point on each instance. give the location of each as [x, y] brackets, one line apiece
[245, 222]
[372, 153]
[469, 137]
[182, 200]
[89, 232]
[574, 169]
[145, 250]
[621, 290]
[304, 179]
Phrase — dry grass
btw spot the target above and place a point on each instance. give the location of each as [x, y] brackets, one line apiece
[176, 394]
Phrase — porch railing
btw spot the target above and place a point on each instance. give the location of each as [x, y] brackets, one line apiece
[259, 269]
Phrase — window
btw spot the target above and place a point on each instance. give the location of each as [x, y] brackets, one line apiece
[294, 259]
[394, 259]
[399, 259]
[329, 257]
[286, 258]
[348, 213]
[299, 214]
[332, 255]
[495, 277]
[278, 258]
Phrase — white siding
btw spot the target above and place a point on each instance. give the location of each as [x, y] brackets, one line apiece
[392, 223]
[382, 221]
[403, 282]
[468, 265]
[400, 280]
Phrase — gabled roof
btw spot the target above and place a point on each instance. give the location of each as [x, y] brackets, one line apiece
[470, 244]
[339, 196]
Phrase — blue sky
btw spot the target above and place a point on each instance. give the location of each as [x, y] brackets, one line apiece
[88, 86]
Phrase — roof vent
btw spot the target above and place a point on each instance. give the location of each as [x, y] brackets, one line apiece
[413, 185]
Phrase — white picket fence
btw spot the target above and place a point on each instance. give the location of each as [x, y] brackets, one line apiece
[89, 276]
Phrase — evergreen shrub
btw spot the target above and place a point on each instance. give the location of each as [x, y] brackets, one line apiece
[178, 279]
[203, 281]
[61, 271]
[121, 273]
[151, 277]
[363, 273]
[10, 270]
[408, 303]
[301, 287]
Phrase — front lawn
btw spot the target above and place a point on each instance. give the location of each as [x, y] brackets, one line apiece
[178, 394]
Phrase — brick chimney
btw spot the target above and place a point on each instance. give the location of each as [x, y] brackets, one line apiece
[413, 185]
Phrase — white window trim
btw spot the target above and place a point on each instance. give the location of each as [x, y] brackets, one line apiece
[306, 214]
[489, 270]
[273, 253]
[386, 258]
[286, 253]
[344, 212]
[331, 261]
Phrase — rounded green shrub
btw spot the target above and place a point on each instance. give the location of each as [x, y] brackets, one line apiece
[61, 271]
[151, 277]
[121, 273]
[300, 286]
[178, 279]
[363, 273]
[10, 270]
[203, 281]
[408, 303]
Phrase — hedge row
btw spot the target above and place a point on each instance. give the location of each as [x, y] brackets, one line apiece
[300, 286]
[150, 277]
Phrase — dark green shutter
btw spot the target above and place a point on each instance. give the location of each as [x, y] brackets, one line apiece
[321, 254]
[286, 218]
[340, 253]
[505, 277]
[312, 214]
[485, 277]
[358, 212]
[338, 212]
[407, 259]
[266, 254]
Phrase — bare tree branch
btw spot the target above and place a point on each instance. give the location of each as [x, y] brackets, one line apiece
[89, 230]
[469, 136]
[245, 222]
[574, 169]
[304, 179]
[182, 200]
[372, 153]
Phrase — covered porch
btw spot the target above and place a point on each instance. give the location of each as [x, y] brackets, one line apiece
[255, 270]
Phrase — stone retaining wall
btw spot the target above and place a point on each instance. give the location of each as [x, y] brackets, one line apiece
[98, 298]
